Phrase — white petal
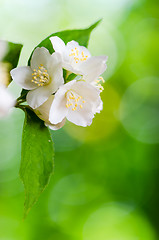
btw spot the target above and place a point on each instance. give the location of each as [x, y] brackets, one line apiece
[38, 96]
[23, 76]
[43, 113]
[70, 63]
[40, 56]
[90, 93]
[93, 104]
[72, 68]
[58, 110]
[55, 71]
[81, 117]
[58, 44]
[6, 101]
[59, 47]
[66, 65]
[99, 107]
[93, 67]
[43, 110]
[73, 44]
[56, 126]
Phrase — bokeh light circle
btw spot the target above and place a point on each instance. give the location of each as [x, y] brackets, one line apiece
[70, 194]
[143, 55]
[139, 110]
[117, 222]
[12, 229]
[74, 190]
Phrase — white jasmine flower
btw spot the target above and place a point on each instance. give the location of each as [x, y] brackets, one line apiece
[42, 78]
[6, 101]
[78, 101]
[77, 59]
[43, 113]
[3, 48]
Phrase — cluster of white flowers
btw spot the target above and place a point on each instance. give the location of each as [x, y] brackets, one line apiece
[52, 99]
[6, 99]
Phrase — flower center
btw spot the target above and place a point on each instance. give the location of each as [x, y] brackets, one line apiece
[40, 76]
[78, 55]
[74, 100]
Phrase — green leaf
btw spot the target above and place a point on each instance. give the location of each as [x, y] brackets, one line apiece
[81, 36]
[13, 54]
[71, 77]
[37, 158]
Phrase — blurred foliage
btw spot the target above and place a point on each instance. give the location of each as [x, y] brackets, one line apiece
[105, 182]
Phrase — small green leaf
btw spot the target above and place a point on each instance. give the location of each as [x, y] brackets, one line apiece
[37, 158]
[13, 54]
[71, 77]
[81, 36]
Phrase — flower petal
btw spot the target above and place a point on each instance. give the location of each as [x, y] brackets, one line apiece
[59, 47]
[89, 93]
[40, 56]
[23, 76]
[6, 101]
[93, 67]
[58, 110]
[43, 110]
[73, 44]
[38, 96]
[99, 107]
[81, 117]
[58, 44]
[71, 68]
[56, 126]
[55, 72]
[43, 113]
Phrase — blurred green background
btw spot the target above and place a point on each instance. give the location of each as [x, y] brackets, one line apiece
[106, 179]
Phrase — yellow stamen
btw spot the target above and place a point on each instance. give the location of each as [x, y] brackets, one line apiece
[40, 76]
[102, 79]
